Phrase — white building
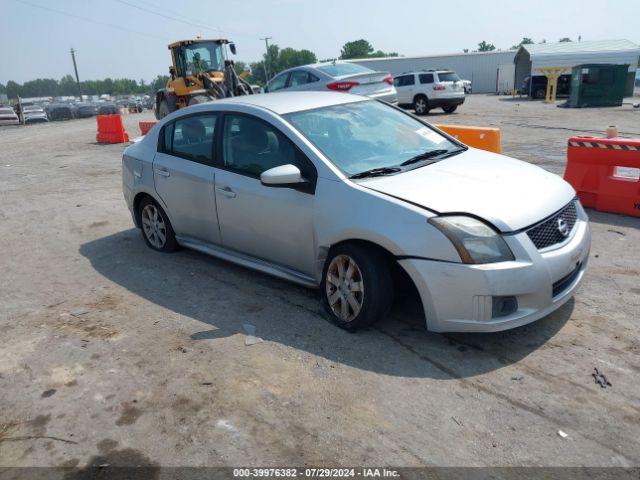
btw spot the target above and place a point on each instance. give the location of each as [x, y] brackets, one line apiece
[502, 70]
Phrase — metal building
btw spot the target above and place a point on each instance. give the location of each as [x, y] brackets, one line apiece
[488, 72]
[502, 70]
[569, 54]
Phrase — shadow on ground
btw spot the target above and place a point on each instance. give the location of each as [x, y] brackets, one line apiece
[223, 297]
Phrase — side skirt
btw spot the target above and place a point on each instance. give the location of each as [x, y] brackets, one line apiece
[249, 262]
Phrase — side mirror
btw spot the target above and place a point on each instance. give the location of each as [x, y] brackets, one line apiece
[282, 176]
[172, 72]
[232, 47]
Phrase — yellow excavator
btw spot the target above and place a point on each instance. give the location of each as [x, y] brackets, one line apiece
[200, 73]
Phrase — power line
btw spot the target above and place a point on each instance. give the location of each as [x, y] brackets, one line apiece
[86, 19]
[169, 17]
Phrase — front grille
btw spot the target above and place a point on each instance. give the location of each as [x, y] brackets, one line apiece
[549, 233]
[565, 282]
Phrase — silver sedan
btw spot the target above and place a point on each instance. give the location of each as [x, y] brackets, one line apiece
[344, 193]
[338, 77]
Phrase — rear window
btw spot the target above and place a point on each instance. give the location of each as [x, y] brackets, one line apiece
[448, 77]
[342, 69]
[426, 78]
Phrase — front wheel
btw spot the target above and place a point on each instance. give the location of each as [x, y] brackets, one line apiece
[421, 105]
[449, 108]
[356, 289]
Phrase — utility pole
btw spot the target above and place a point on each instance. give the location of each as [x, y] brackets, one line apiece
[75, 68]
[266, 43]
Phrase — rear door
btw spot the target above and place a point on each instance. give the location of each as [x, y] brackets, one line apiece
[303, 80]
[273, 224]
[278, 82]
[405, 86]
[184, 176]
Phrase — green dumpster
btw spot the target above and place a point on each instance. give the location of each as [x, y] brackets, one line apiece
[597, 85]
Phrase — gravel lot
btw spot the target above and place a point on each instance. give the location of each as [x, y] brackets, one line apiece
[114, 354]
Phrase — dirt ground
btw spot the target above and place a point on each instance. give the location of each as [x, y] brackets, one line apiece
[114, 354]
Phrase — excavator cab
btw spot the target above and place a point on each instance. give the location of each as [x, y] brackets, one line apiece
[200, 72]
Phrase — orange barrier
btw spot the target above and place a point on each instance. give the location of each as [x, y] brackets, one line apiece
[145, 127]
[596, 169]
[110, 129]
[477, 137]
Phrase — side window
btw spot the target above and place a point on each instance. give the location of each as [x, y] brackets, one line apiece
[313, 78]
[298, 77]
[404, 81]
[426, 78]
[251, 146]
[191, 138]
[278, 83]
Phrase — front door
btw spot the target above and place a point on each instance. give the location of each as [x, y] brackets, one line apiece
[184, 176]
[273, 224]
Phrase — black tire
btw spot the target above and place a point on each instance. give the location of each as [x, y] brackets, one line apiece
[540, 93]
[163, 109]
[375, 295]
[421, 104]
[450, 108]
[153, 233]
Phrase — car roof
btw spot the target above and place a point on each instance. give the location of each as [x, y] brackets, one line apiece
[425, 71]
[287, 102]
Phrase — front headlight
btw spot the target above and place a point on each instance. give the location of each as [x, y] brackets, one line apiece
[474, 240]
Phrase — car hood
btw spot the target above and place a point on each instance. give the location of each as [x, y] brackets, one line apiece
[508, 193]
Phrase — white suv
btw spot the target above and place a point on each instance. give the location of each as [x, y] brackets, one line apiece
[429, 89]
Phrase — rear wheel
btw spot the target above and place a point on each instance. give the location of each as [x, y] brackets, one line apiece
[540, 93]
[449, 108]
[356, 289]
[156, 228]
[421, 105]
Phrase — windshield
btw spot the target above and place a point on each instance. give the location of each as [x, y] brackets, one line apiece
[342, 69]
[361, 136]
[448, 77]
[201, 57]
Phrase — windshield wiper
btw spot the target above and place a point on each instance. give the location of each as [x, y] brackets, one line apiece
[424, 156]
[453, 152]
[374, 172]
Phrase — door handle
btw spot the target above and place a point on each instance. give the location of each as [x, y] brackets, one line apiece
[163, 172]
[227, 192]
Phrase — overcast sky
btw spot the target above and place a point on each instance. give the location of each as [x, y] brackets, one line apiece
[124, 41]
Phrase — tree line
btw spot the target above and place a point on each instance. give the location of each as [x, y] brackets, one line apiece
[67, 86]
[485, 46]
[274, 61]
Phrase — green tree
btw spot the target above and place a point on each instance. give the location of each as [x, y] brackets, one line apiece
[362, 49]
[486, 47]
[289, 58]
[356, 49]
[14, 89]
[158, 83]
[277, 60]
[67, 86]
[524, 41]
[565, 40]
